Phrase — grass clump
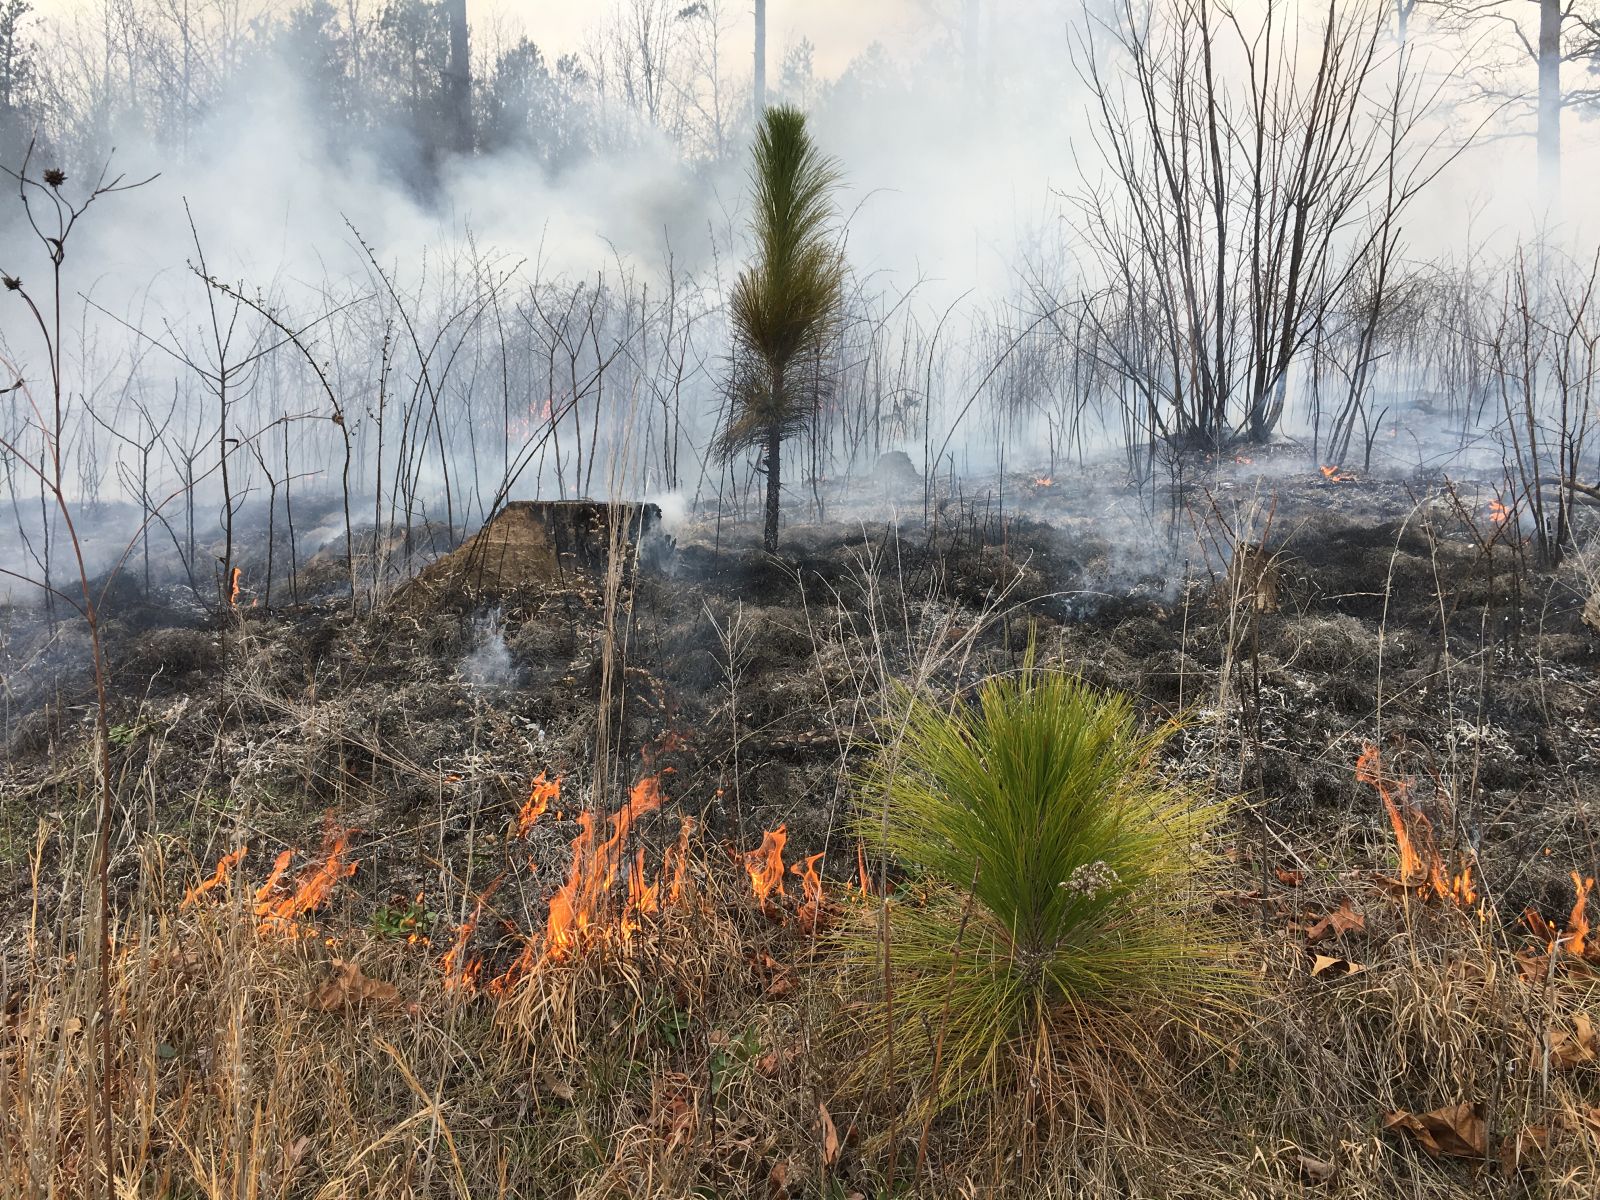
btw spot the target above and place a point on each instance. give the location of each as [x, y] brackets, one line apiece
[1054, 875]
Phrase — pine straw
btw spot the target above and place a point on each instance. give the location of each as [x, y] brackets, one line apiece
[692, 1060]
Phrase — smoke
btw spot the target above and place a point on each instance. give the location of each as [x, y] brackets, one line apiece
[462, 309]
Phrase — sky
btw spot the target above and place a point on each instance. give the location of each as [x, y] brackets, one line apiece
[840, 29]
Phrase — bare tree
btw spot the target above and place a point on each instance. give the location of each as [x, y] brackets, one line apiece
[1250, 180]
[1543, 34]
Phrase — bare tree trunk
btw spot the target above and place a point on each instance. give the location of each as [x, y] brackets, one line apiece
[460, 83]
[774, 487]
[761, 57]
[1550, 17]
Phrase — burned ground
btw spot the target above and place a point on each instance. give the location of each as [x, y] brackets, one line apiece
[1400, 616]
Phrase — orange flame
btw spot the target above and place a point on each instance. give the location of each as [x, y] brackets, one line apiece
[1421, 866]
[1578, 922]
[677, 858]
[1334, 475]
[809, 914]
[765, 864]
[578, 904]
[1043, 481]
[542, 792]
[219, 876]
[1498, 512]
[311, 890]
[460, 972]
[1244, 460]
[233, 592]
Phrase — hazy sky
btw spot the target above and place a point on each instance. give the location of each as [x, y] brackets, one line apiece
[839, 28]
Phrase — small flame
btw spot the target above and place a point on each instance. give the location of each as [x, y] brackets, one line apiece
[1578, 922]
[1498, 512]
[460, 972]
[233, 591]
[1043, 481]
[1335, 475]
[1421, 866]
[219, 876]
[765, 864]
[1244, 460]
[311, 890]
[809, 914]
[539, 796]
[578, 904]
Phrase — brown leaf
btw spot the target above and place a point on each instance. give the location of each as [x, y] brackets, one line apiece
[1315, 1169]
[1334, 968]
[1288, 877]
[830, 1136]
[767, 1065]
[349, 987]
[1454, 1131]
[1573, 1048]
[778, 1180]
[1531, 1144]
[1340, 921]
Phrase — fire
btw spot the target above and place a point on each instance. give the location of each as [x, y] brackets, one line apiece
[578, 904]
[460, 972]
[1335, 475]
[765, 864]
[539, 796]
[1498, 512]
[809, 914]
[1245, 460]
[311, 890]
[233, 590]
[1578, 922]
[218, 877]
[1422, 868]
[1043, 481]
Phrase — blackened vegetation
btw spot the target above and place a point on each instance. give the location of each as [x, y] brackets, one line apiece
[1400, 618]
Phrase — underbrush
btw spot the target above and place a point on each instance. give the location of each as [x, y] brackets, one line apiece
[715, 1050]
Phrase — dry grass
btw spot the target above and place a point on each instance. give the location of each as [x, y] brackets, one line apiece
[692, 1058]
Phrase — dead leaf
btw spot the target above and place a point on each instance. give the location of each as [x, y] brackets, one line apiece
[1454, 1131]
[1340, 921]
[1288, 877]
[768, 1064]
[1334, 968]
[830, 1136]
[349, 987]
[1315, 1169]
[1530, 1145]
[778, 1180]
[1572, 1048]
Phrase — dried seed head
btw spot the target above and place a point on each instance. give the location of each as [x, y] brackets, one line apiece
[55, 177]
[13, 284]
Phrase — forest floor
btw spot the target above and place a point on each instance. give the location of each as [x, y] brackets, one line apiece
[333, 862]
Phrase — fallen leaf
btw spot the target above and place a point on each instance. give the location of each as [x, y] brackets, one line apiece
[1572, 1048]
[1530, 1145]
[830, 1136]
[1454, 1131]
[1289, 878]
[349, 987]
[778, 1180]
[769, 1064]
[1340, 921]
[1334, 968]
[1315, 1169]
